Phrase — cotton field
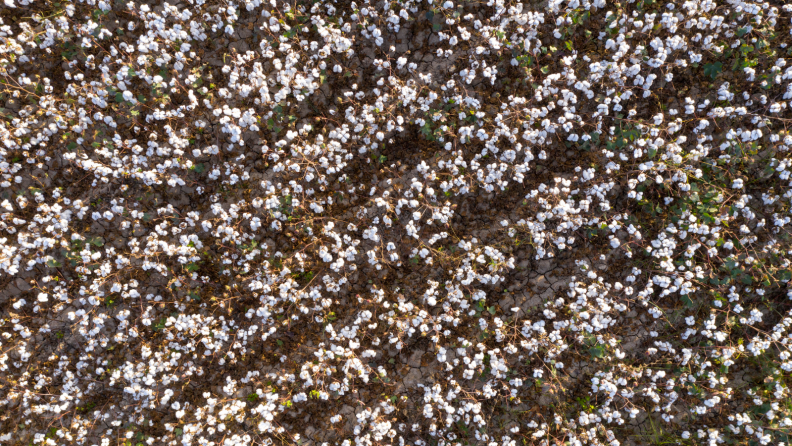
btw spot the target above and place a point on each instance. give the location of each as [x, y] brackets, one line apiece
[407, 222]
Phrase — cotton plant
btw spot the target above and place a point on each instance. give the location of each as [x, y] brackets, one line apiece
[257, 222]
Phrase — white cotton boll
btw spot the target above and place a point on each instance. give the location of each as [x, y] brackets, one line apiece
[427, 411]
[42, 297]
[10, 3]
[658, 118]
[129, 96]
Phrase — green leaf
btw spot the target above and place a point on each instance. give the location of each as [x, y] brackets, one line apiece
[745, 49]
[199, 168]
[742, 31]
[52, 263]
[119, 97]
[713, 69]
[687, 301]
[429, 15]
[597, 352]
[764, 408]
